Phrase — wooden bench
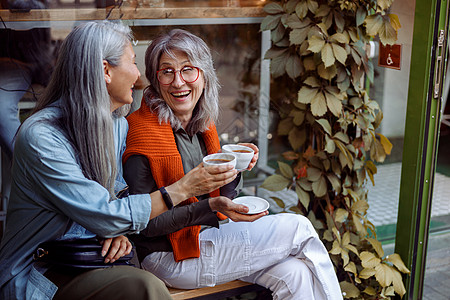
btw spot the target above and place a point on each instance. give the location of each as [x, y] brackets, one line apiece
[230, 289]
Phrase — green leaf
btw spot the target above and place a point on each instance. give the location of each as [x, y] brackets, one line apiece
[327, 55]
[318, 105]
[270, 22]
[296, 138]
[342, 137]
[325, 125]
[330, 145]
[384, 275]
[339, 20]
[397, 261]
[279, 202]
[334, 104]
[361, 14]
[316, 44]
[351, 267]
[377, 246]
[336, 248]
[305, 184]
[303, 196]
[312, 81]
[295, 23]
[349, 290]
[340, 38]
[328, 236]
[285, 126]
[339, 53]
[335, 182]
[298, 36]
[301, 9]
[294, 66]
[275, 183]
[273, 8]
[278, 34]
[275, 52]
[299, 117]
[312, 6]
[316, 223]
[327, 73]
[373, 24]
[307, 94]
[278, 65]
[320, 187]
[356, 102]
[285, 170]
[369, 260]
[290, 6]
[314, 174]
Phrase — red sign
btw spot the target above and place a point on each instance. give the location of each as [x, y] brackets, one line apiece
[390, 56]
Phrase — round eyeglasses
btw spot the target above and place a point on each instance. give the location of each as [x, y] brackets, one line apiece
[188, 74]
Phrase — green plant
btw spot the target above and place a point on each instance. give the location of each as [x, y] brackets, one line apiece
[318, 56]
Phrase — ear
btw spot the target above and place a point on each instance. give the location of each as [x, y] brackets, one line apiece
[106, 71]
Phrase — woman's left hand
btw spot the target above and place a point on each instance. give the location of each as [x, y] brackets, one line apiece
[118, 247]
[255, 156]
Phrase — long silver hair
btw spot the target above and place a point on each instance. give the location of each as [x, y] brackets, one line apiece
[78, 81]
[207, 108]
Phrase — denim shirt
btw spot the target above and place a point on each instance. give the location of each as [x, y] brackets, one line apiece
[52, 199]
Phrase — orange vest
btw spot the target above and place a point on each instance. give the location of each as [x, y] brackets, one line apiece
[157, 142]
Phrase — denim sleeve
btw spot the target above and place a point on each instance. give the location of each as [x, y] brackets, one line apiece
[57, 182]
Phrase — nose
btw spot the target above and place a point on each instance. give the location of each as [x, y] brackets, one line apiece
[177, 80]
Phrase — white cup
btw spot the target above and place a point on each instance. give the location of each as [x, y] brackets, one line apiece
[243, 154]
[219, 159]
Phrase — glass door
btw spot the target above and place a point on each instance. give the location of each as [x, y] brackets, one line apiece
[423, 116]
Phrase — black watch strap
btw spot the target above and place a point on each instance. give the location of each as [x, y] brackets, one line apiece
[166, 197]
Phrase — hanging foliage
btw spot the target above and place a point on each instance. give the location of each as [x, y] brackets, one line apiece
[330, 123]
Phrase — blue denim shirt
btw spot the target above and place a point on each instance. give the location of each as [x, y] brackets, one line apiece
[52, 199]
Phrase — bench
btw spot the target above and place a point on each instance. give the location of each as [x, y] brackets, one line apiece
[229, 289]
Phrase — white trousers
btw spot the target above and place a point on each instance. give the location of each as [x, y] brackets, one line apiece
[280, 252]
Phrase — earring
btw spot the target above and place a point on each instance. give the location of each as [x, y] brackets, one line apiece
[108, 80]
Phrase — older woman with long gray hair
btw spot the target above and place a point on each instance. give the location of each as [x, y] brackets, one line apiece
[66, 173]
[195, 244]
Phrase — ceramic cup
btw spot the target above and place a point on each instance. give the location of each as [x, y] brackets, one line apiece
[217, 159]
[243, 154]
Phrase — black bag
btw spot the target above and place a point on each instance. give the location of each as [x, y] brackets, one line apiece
[80, 253]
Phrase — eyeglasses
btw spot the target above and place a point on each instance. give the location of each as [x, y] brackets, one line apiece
[188, 74]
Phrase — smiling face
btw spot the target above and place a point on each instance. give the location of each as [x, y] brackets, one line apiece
[120, 79]
[182, 97]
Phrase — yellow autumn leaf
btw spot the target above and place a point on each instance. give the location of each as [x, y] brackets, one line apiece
[396, 260]
[395, 22]
[387, 145]
[369, 260]
[373, 24]
[377, 246]
[349, 290]
[340, 215]
[318, 105]
[366, 273]
[316, 44]
[351, 267]
[339, 53]
[334, 104]
[306, 94]
[398, 282]
[360, 206]
[303, 197]
[327, 55]
[370, 291]
[384, 275]
[320, 187]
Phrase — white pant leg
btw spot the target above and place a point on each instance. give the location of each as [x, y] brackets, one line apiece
[290, 279]
[240, 249]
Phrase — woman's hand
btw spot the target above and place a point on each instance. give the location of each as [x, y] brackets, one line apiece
[118, 247]
[236, 212]
[200, 181]
[255, 156]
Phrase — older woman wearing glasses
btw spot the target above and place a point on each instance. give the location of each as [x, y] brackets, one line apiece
[194, 244]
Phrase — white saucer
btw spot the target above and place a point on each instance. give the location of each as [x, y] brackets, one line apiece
[254, 204]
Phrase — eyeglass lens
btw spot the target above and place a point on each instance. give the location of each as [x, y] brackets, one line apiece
[188, 74]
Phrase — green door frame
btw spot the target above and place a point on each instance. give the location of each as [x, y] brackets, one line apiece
[421, 138]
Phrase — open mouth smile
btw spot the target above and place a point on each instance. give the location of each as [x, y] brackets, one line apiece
[181, 94]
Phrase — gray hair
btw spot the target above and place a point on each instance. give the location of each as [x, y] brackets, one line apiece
[78, 81]
[207, 108]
